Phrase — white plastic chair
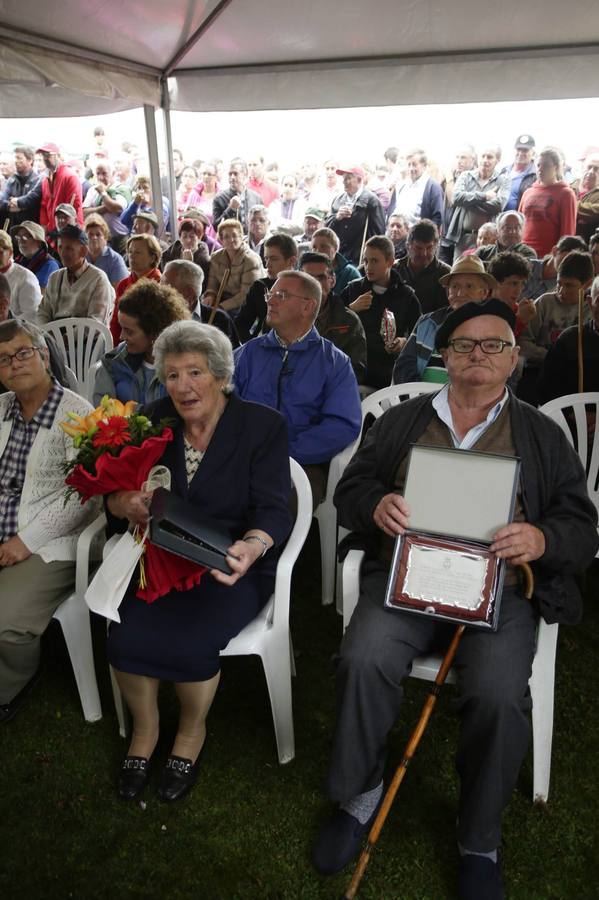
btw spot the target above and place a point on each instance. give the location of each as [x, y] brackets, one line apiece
[375, 405]
[570, 413]
[268, 635]
[73, 616]
[541, 682]
[82, 342]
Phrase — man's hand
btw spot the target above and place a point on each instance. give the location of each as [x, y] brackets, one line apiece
[396, 346]
[519, 543]
[391, 514]
[364, 301]
[344, 212]
[13, 551]
[13, 206]
[235, 202]
[132, 505]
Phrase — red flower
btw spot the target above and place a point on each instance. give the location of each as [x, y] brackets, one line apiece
[113, 433]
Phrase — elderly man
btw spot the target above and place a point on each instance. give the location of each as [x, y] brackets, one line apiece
[235, 201]
[522, 173]
[421, 268]
[554, 529]
[304, 376]
[465, 160]
[335, 321]
[60, 185]
[466, 281]
[398, 227]
[22, 182]
[258, 229]
[33, 251]
[109, 199]
[420, 197]
[587, 192]
[79, 289]
[510, 227]
[478, 197]
[38, 530]
[356, 215]
[24, 286]
[187, 278]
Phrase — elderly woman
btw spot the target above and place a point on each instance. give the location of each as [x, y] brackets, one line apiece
[33, 251]
[128, 371]
[289, 210]
[100, 254]
[244, 267]
[230, 459]
[549, 206]
[190, 245]
[144, 253]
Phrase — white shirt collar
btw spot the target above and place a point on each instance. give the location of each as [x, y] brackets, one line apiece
[443, 410]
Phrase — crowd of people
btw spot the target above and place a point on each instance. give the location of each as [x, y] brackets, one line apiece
[254, 316]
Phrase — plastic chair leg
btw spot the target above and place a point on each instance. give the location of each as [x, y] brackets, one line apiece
[327, 527]
[73, 616]
[542, 685]
[277, 669]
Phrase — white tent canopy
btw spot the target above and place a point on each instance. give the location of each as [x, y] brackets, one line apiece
[68, 58]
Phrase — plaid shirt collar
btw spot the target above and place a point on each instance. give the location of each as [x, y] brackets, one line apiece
[44, 417]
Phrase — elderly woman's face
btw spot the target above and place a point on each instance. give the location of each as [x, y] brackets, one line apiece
[231, 238]
[192, 387]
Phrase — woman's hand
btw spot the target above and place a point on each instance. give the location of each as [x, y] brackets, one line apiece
[13, 551]
[364, 301]
[241, 555]
[132, 505]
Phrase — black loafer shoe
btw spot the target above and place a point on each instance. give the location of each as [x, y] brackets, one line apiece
[340, 840]
[177, 778]
[479, 879]
[9, 710]
[133, 777]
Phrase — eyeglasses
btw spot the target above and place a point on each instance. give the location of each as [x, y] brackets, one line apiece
[490, 346]
[21, 355]
[283, 296]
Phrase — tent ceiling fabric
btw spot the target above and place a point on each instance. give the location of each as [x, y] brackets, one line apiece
[260, 55]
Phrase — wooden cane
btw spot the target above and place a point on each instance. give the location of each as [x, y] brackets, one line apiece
[364, 238]
[411, 746]
[6, 223]
[221, 288]
[580, 353]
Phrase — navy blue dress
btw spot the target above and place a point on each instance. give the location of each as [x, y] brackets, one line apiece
[243, 482]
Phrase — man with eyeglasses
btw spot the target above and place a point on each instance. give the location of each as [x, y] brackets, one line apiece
[38, 529]
[303, 375]
[554, 529]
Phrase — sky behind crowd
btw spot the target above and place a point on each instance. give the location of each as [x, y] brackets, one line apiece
[348, 135]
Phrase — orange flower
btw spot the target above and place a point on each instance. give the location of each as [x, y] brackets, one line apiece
[113, 433]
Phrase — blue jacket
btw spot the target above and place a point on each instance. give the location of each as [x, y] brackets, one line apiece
[312, 383]
[124, 376]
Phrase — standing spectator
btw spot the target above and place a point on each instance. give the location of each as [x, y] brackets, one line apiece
[288, 211]
[60, 185]
[421, 269]
[78, 290]
[465, 160]
[479, 196]
[324, 240]
[108, 198]
[327, 187]
[397, 231]
[33, 251]
[549, 206]
[204, 192]
[18, 185]
[236, 201]
[587, 189]
[356, 214]
[24, 287]
[243, 265]
[381, 289]
[144, 202]
[189, 178]
[522, 172]
[100, 254]
[144, 253]
[420, 197]
[259, 183]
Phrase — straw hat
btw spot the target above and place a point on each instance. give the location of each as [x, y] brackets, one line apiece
[469, 265]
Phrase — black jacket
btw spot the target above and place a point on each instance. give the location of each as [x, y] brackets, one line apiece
[366, 220]
[221, 209]
[252, 312]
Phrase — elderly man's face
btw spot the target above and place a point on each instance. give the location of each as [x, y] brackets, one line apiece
[256, 168]
[351, 183]
[311, 225]
[71, 252]
[258, 226]
[510, 231]
[103, 174]
[466, 288]
[62, 219]
[488, 161]
[590, 175]
[237, 178]
[22, 376]
[523, 156]
[464, 160]
[416, 167]
[478, 369]
[397, 229]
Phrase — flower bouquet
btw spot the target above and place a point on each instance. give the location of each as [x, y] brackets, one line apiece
[117, 450]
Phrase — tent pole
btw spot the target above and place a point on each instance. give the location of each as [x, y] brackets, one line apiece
[149, 116]
[172, 184]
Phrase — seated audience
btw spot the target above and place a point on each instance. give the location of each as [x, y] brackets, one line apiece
[313, 220]
[356, 214]
[258, 229]
[510, 228]
[99, 252]
[187, 278]
[33, 251]
[79, 289]
[242, 266]
[421, 269]
[549, 206]
[466, 281]
[324, 240]
[143, 252]
[335, 321]
[26, 294]
[189, 246]
[304, 376]
[128, 371]
[280, 253]
[559, 370]
[594, 251]
[544, 271]
[230, 459]
[381, 289]
[511, 271]
[38, 528]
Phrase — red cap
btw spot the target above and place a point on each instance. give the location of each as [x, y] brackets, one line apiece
[48, 148]
[355, 170]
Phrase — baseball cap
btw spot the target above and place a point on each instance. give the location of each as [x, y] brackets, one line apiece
[314, 213]
[492, 307]
[73, 233]
[148, 215]
[524, 142]
[48, 147]
[67, 208]
[353, 170]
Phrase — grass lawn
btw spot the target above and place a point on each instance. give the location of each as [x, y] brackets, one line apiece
[246, 829]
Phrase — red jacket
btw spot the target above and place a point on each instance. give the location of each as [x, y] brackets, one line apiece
[549, 213]
[115, 328]
[64, 187]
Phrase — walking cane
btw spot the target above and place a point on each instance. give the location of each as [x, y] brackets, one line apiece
[221, 288]
[6, 223]
[364, 238]
[580, 353]
[411, 746]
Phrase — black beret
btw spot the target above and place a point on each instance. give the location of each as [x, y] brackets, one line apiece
[492, 307]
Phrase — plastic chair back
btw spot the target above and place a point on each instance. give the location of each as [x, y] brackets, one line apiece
[82, 342]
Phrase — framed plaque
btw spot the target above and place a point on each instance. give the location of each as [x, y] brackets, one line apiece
[442, 566]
